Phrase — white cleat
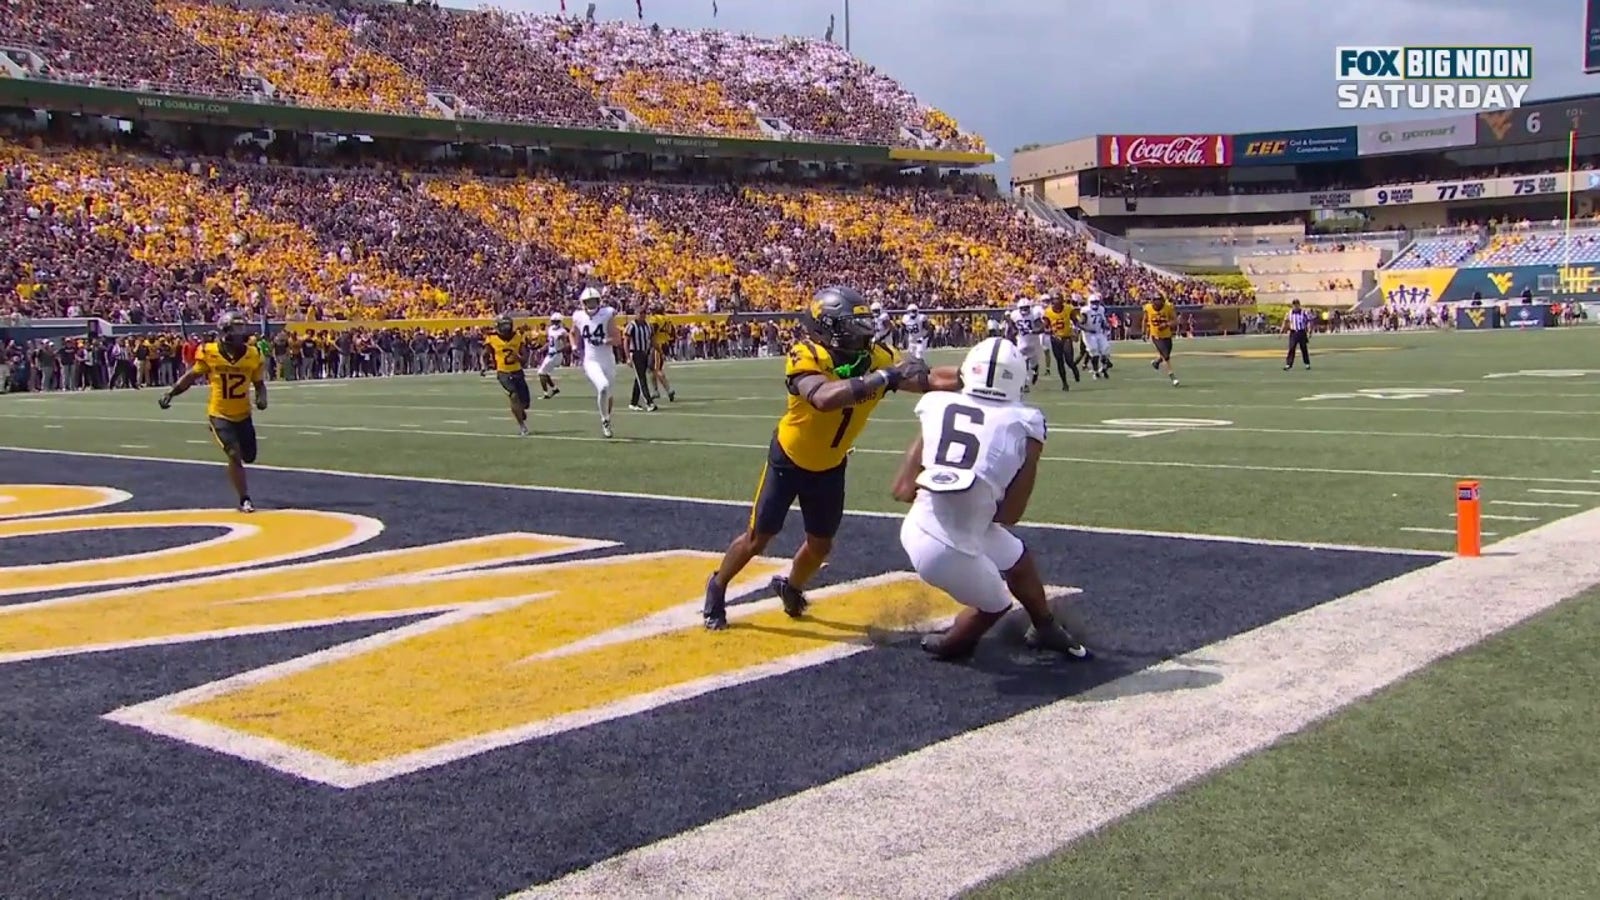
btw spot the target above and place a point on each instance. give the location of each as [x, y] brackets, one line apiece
[605, 427]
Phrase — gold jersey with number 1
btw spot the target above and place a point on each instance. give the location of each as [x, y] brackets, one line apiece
[230, 379]
[815, 439]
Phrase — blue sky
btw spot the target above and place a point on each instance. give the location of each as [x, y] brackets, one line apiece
[1022, 71]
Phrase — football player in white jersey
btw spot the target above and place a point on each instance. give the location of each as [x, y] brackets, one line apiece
[555, 337]
[1096, 329]
[1024, 331]
[882, 324]
[969, 473]
[596, 335]
[916, 326]
[1041, 333]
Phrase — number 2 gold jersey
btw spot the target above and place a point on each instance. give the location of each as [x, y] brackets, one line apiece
[507, 354]
[818, 440]
[230, 380]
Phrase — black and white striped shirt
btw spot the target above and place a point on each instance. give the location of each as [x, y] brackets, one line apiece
[1299, 320]
[640, 337]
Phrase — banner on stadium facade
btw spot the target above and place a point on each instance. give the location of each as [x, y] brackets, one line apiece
[1591, 33]
[1417, 134]
[1307, 145]
[1529, 315]
[1165, 151]
[1539, 122]
[1493, 284]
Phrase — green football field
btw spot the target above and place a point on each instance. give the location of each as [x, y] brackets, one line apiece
[1363, 449]
[1472, 778]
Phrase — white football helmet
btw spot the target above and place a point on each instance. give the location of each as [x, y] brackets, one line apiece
[912, 308]
[1024, 305]
[877, 307]
[555, 318]
[994, 370]
[590, 298]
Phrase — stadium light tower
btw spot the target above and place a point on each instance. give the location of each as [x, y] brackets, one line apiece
[847, 26]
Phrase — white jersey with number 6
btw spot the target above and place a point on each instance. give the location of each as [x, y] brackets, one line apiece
[971, 450]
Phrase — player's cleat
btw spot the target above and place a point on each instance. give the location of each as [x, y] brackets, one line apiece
[555, 391]
[1056, 638]
[1174, 382]
[672, 396]
[1155, 364]
[522, 430]
[652, 408]
[605, 427]
[1287, 368]
[715, 610]
[940, 647]
[635, 407]
[794, 602]
[245, 506]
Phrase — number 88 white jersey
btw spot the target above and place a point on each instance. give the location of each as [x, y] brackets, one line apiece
[971, 450]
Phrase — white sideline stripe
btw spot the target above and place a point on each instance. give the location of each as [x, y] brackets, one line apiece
[1505, 518]
[678, 498]
[1536, 503]
[1421, 530]
[944, 818]
[1091, 460]
[1577, 493]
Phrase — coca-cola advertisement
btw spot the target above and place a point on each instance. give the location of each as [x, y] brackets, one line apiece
[1165, 151]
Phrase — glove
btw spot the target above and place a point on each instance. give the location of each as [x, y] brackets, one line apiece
[165, 401]
[910, 367]
[261, 403]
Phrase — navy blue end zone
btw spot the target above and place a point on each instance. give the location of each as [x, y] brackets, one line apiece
[94, 807]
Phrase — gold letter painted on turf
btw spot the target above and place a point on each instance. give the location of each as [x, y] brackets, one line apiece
[19, 500]
[564, 646]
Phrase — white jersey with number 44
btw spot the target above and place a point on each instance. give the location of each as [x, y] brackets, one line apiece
[593, 328]
[971, 450]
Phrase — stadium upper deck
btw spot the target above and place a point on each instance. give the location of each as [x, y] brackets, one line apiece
[426, 62]
[1392, 175]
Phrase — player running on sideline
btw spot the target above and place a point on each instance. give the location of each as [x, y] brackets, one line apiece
[1160, 324]
[916, 328]
[555, 337]
[968, 474]
[596, 335]
[835, 379]
[231, 365]
[504, 348]
[1061, 321]
[1097, 337]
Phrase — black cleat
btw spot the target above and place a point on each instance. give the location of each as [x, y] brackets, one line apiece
[1155, 364]
[1056, 638]
[794, 602]
[715, 610]
[672, 396]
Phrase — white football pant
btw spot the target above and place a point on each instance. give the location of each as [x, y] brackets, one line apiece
[549, 365]
[972, 579]
[1098, 344]
[917, 348]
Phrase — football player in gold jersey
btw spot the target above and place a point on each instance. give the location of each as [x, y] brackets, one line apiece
[505, 348]
[1160, 324]
[1061, 320]
[835, 379]
[231, 365]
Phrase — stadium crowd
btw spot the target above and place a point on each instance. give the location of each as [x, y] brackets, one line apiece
[388, 57]
[132, 234]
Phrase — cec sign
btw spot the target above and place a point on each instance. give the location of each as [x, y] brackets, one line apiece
[1417, 134]
[1290, 147]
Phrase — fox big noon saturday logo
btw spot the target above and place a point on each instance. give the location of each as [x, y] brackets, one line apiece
[1439, 78]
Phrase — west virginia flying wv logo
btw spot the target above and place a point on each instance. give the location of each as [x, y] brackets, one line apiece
[1502, 281]
[1499, 123]
[1476, 317]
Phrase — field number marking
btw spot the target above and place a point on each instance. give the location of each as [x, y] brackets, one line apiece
[1402, 393]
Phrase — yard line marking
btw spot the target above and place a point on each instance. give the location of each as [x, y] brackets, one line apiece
[1176, 464]
[134, 446]
[1422, 530]
[54, 426]
[311, 433]
[744, 504]
[456, 422]
[1505, 518]
[1535, 503]
[881, 832]
[1568, 481]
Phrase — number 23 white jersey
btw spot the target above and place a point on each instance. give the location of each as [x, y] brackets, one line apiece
[594, 328]
[971, 451]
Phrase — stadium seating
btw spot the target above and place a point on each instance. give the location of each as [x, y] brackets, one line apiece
[125, 236]
[556, 69]
[1539, 248]
[1439, 251]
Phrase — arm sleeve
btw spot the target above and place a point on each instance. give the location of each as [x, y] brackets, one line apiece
[1034, 426]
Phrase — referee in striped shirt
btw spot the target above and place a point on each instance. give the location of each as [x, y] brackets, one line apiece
[1298, 324]
[638, 342]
